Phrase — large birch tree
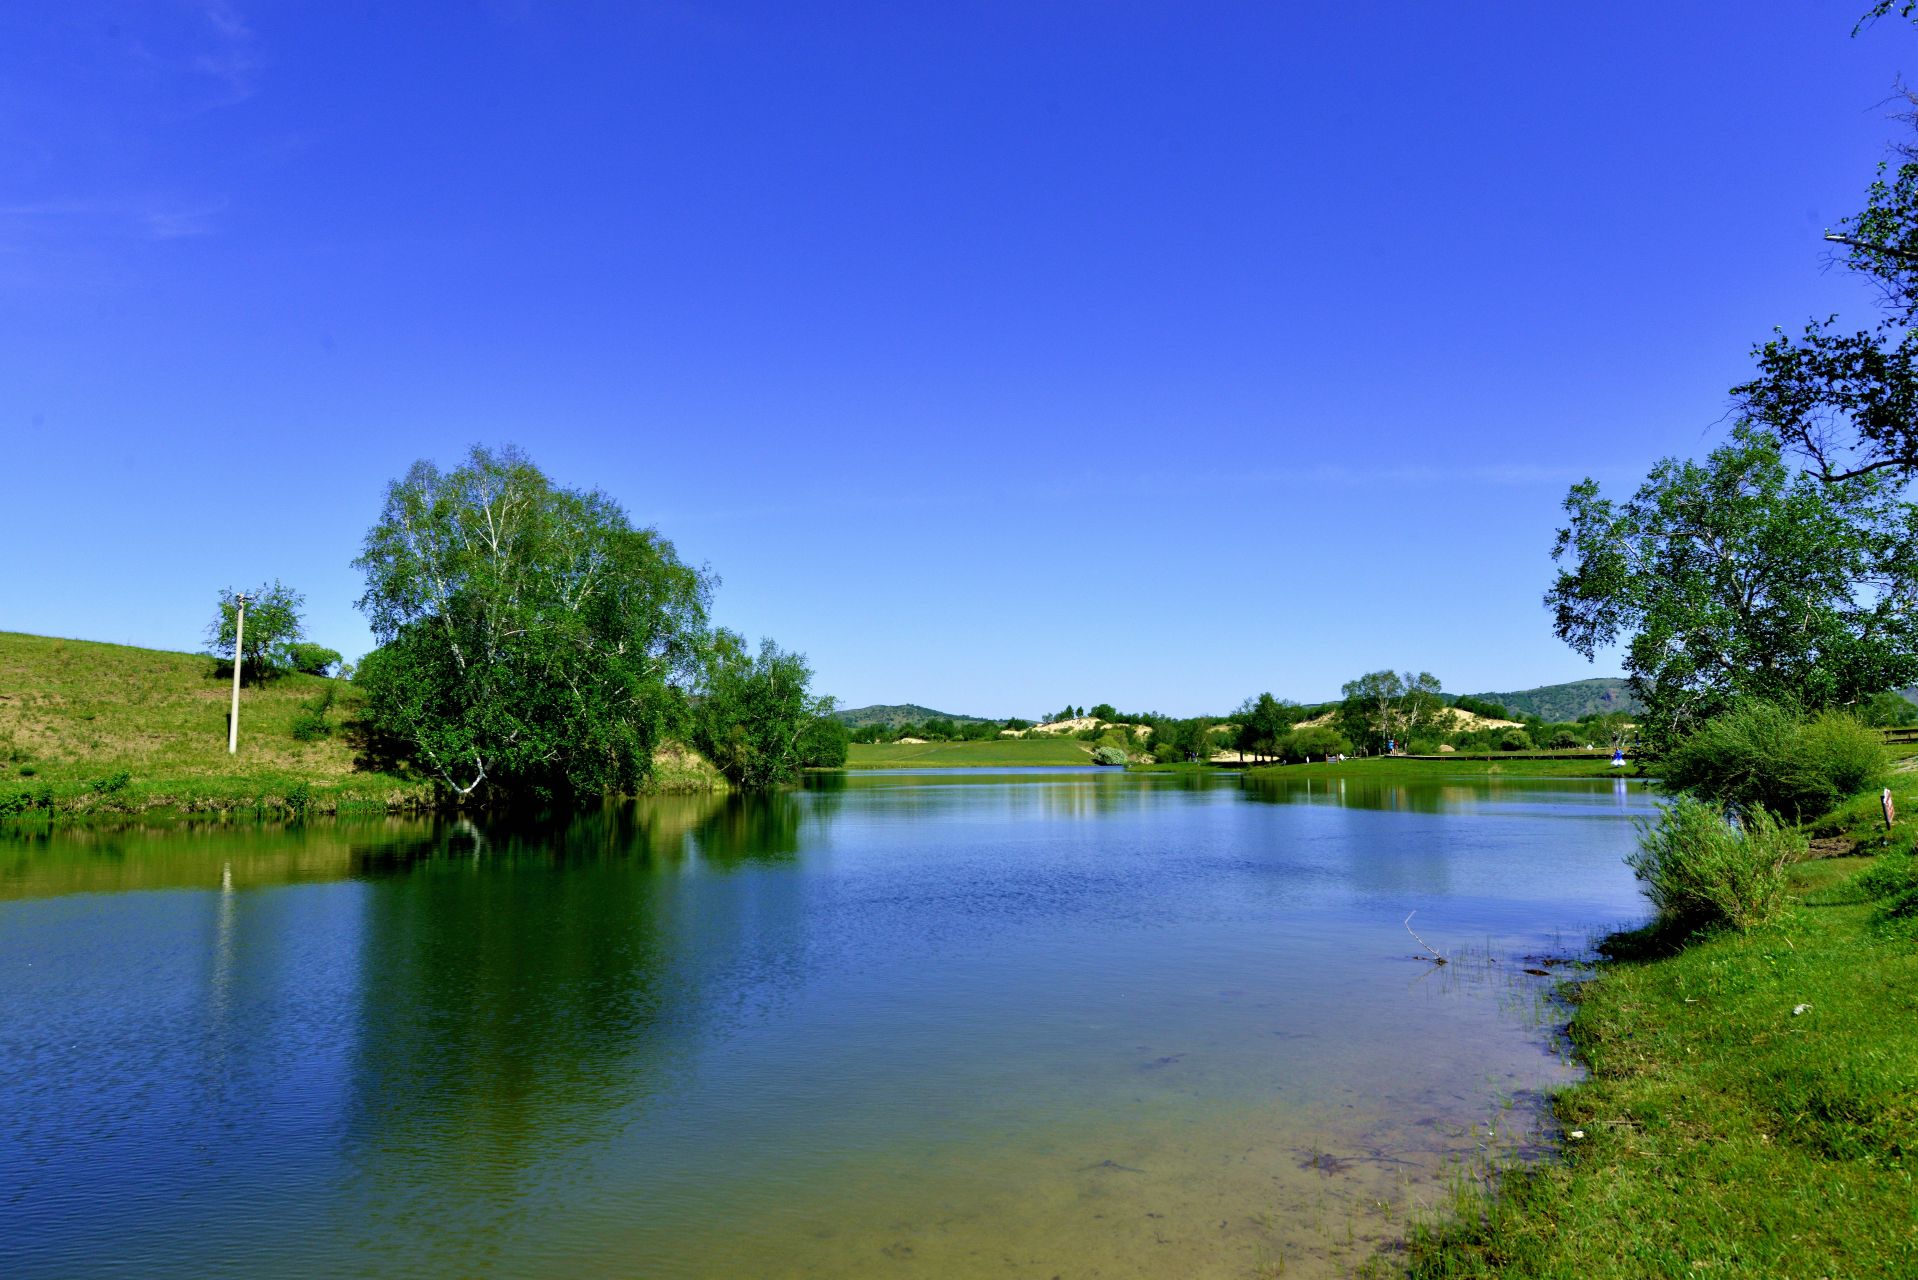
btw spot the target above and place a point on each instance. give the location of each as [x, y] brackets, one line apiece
[534, 643]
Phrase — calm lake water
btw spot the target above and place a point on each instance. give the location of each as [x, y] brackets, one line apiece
[1048, 1023]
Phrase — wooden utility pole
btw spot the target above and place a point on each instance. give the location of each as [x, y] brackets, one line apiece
[239, 656]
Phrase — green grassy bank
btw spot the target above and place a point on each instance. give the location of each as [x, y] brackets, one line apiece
[992, 753]
[1439, 768]
[90, 729]
[1752, 1105]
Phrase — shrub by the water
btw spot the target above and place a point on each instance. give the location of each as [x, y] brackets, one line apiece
[1699, 869]
[1108, 755]
[1763, 755]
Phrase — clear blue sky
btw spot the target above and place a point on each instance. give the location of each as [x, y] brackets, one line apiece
[994, 355]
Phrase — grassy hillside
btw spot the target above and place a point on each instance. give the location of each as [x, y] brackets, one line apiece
[1560, 702]
[88, 727]
[948, 755]
[895, 715]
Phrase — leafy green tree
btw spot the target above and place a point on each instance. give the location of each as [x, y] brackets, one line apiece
[1312, 742]
[1848, 401]
[533, 642]
[313, 659]
[1389, 706]
[1736, 578]
[757, 719]
[823, 745]
[1613, 729]
[1888, 711]
[1105, 711]
[1262, 722]
[1187, 740]
[273, 627]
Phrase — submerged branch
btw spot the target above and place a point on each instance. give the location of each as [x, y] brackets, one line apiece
[1436, 957]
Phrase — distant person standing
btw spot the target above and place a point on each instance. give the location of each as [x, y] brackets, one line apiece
[1618, 757]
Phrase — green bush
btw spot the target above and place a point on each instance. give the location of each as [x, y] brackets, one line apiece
[310, 722]
[823, 744]
[1514, 740]
[313, 659]
[1108, 755]
[16, 804]
[309, 726]
[111, 783]
[1849, 755]
[1700, 870]
[1890, 874]
[1763, 755]
[1313, 742]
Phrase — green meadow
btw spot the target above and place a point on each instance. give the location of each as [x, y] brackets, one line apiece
[89, 728]
[999, 754]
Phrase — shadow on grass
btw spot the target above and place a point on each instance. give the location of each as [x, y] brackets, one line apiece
[376, 751]
[1654, 941]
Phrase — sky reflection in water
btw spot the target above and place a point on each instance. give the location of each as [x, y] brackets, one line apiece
[893, 1024]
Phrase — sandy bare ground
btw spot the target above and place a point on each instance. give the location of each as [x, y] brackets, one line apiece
[1079, 724]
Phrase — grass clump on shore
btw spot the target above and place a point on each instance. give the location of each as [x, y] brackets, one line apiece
[1752, 1107]
[1700, 870]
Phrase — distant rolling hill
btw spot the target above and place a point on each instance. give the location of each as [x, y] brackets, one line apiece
[892, 716]
[1560, 702]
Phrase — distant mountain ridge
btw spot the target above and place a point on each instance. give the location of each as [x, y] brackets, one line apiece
[1570, 701]
[896, 715]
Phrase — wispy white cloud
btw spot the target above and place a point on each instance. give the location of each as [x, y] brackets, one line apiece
[228, 51]
[153, 219]
[181, 222]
